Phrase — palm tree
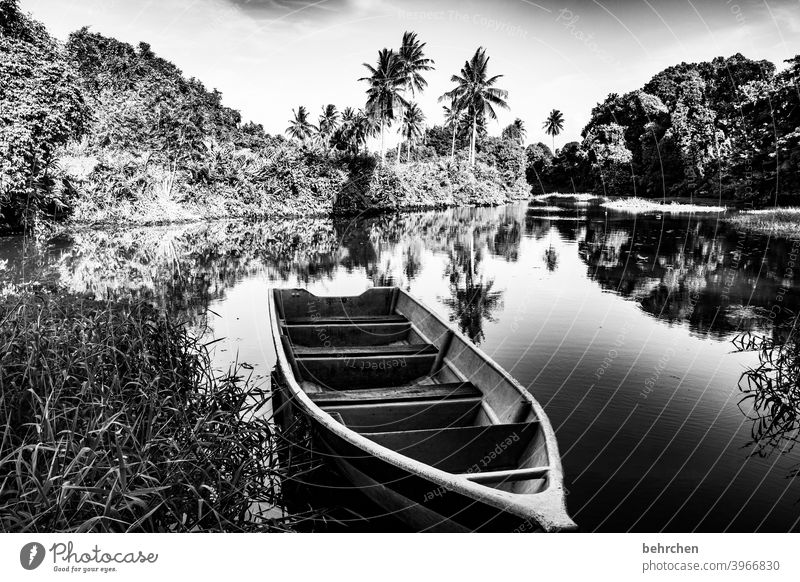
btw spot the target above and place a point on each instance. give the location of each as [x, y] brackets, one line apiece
[364, 126]
[553, 125]
[413, 126]
[386, 81]
[476, 94]
[515, 131]
[328, 123]
[414, 63]
[300, 127]
[453, 117]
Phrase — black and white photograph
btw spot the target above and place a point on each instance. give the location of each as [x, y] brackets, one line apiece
[365, 269]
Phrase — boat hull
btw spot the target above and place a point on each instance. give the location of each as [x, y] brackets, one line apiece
[418, 502]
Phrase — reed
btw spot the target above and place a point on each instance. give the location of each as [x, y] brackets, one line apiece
[113, 421]
[771, 389]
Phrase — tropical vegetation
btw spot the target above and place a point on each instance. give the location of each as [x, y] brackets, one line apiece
[114, 421]
[97, 130]
[727, 128]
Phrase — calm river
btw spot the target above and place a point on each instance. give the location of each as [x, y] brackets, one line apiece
[622, 326]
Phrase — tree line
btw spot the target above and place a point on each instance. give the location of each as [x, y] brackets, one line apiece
[392, 83]
[727, 128]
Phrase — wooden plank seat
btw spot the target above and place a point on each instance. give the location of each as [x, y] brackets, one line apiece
[347, 334]
[462, 449]
[408, 415]
[414, 392]
[353, 372]
[352, 351]
[353, 319]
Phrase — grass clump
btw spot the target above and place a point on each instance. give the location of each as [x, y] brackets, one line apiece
[771, 221]
[114, 422]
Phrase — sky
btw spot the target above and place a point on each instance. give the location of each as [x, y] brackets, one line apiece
[268, 57]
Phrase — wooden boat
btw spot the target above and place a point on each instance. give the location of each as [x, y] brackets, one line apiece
[414, 415]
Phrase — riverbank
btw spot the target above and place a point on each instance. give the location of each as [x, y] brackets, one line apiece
[635, 205]
[783, 222]
[115, 422]
[284, 182]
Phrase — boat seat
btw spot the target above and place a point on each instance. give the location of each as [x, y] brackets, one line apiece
[365, 371]
[408, 415]
[397, 394]
[352, 351]
[347, 334]
[329, 320]
[462, 449]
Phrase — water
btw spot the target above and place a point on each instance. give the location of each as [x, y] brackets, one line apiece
[620, 325]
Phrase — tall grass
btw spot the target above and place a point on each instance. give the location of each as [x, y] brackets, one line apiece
[112, 421]
[772, 221]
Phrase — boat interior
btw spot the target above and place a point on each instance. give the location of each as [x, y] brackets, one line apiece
[383, 365]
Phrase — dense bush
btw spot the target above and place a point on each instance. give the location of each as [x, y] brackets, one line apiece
[114, 421]
[142, 102]
[426, 185]
[507, 155]
[41, 109]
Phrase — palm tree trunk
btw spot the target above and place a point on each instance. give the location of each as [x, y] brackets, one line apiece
[554, 144]
[400, 136]
[453, 145]
[383, 150]
[472, 144]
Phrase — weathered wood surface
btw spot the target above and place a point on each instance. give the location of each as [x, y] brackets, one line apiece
[347, 334]
[397, 393]
[365, 371]
[351, 351]
[465, 449]
[403, 416]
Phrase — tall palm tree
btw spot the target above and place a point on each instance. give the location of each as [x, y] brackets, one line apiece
[476, 94]
[515, 131]
[300, 127]
[553, 125]
[413, 126]
[414, 63]
[453, 117]
[386, 81]
[328, 123]
[364, 126]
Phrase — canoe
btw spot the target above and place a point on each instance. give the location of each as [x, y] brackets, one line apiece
[414, 415]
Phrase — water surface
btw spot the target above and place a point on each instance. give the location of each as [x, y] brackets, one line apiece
[620, 325]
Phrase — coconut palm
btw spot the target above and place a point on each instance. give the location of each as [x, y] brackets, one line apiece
[300, 127]
[412, 126]
[342, 135]
[476, 94]
[553, 125]
[413, 63]
[453, 117]
[515, 131]
[328, 123]
[386, 81]
[364, 127]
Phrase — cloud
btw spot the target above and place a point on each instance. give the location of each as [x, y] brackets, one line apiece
[295, 10]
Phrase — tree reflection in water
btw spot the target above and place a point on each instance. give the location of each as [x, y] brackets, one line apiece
[472, 300]
[551, 258]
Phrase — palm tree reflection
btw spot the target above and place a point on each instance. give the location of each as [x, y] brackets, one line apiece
[472, 299]
[551, 258]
